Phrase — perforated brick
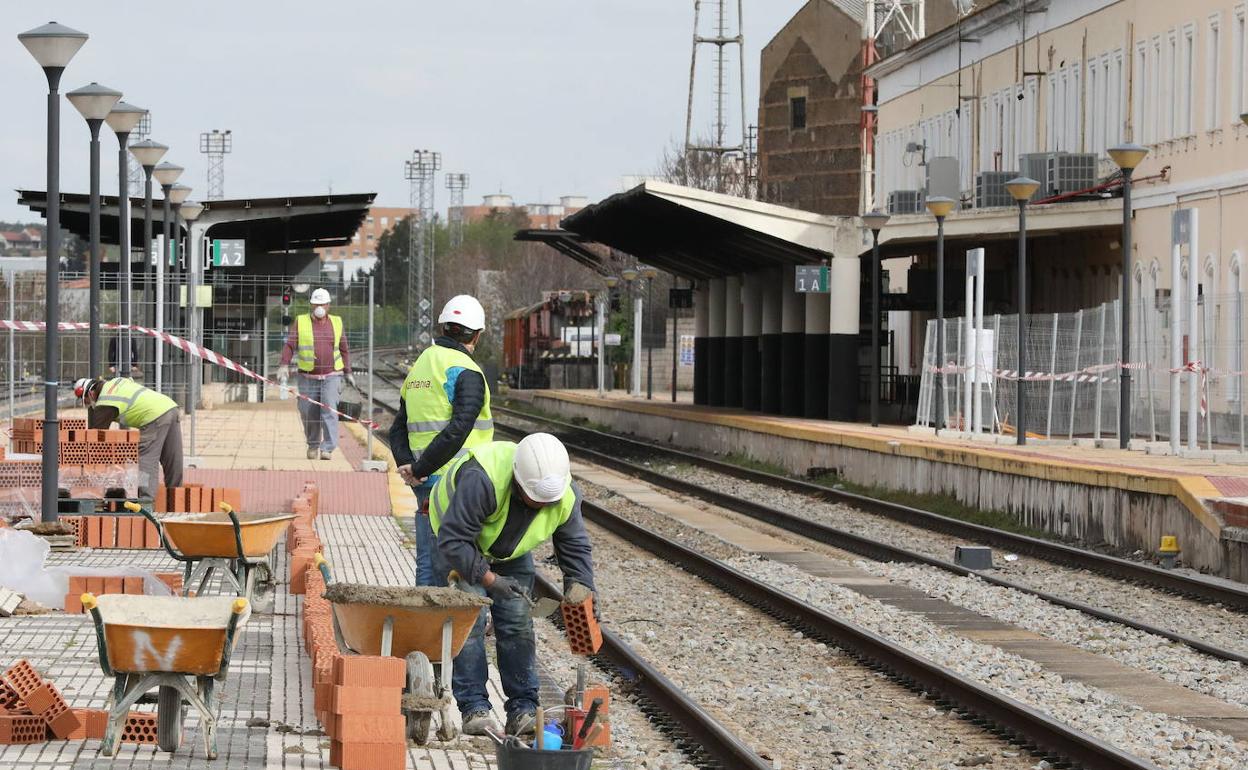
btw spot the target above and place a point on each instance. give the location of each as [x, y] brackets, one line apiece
[140, 727]
[9, 699]
[62, 721]
[18, 728]
[23, 679]
[584, 635]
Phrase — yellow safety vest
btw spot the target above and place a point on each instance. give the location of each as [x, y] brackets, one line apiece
[305, 353]
[427, 401]
[136, 405]
[496, 458]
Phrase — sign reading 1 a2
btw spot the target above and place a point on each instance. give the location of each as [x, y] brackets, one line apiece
[811, 279]
[229, 253]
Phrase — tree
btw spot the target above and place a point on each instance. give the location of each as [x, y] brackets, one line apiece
[701, 169]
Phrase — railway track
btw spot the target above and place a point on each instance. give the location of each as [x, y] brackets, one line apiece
[709, 743]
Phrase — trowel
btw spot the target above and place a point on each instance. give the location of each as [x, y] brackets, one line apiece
[542, 607]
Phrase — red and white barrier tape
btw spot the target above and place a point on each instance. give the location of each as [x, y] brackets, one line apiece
[180, 343]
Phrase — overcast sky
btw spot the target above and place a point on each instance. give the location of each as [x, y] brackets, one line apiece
[536, 98]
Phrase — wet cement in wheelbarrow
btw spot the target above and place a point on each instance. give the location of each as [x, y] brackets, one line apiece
[222, 518]
[403, 596]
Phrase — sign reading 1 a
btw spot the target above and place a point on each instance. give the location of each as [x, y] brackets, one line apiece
[229, 253]
[811, 279]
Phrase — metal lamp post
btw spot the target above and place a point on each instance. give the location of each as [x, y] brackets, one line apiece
[148, 154]
[122, 119]
[177, 196]
[634, 371]
[940, 207]
[94, 102]
[190, 212]
[611, 281]
[1127, 156]
[875, 221]
[1021, 189]
[52, 45]
[649, 273]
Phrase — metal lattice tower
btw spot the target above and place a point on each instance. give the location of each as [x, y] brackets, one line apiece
[721, 39]
[134, 172]
[421, 171]
[456, 183]
[216, 145]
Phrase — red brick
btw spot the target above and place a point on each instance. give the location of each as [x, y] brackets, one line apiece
[300, 561]
[9, 699]
[132, 586]
[97, 723]
[138, 530]
[80, 732]
[23, 679]
[367, 728]
[368, 756]
[17, 728]
[62, 722]
[365, 700]
[95, 585]
[584, 635]
[123, 539]
[113, 585]
[73, 603]
[108, 532]
[234, 497]
[94, 527]
[370, 671]
[171, 579]
[41, 699]
[140, 727]
[161, 503]
[77, 584]
[151, 535]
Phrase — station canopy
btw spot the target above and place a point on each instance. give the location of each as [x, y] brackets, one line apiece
[698, 234]
[267, 224]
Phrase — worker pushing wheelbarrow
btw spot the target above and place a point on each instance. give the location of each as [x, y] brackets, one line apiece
[239, 545]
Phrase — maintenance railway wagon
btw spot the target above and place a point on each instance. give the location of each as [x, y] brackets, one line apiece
[540, 341]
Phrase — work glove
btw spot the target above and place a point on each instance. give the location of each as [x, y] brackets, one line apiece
[351, 379]
[283, 373]
[505, 589]
[575, 593]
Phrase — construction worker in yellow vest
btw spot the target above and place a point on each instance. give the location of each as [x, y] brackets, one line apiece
[490, 509]
[126, 402]
[444, 410]
[319, 349]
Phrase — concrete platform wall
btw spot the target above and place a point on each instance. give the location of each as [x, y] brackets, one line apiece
[1124, 520]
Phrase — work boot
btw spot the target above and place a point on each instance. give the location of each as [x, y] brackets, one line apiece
[522, 723]
[311, 453]
[326, 455]
[479, 722]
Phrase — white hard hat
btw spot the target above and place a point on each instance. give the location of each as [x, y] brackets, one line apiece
[81, 386]
[465, 311]
[320, 297]
[541, 467]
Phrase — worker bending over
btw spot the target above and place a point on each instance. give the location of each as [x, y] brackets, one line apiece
[490, 509]
[319, 350]
[126, 402]
[444, 408]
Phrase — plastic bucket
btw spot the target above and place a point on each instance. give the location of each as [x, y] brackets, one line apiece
[513, 757]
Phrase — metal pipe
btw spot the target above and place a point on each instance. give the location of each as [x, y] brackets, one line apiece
[875, 327]
[147, 236]
[1124, 375]
[940, 323]
[1021, 409]
[93, 338]
[675, 346]
[123, 253]
[52, 311]
[160, 310]
[372, 304]
[649, 347]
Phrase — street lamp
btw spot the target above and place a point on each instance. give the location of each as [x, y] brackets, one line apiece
[122, 119]
[1021, 189]
[939, 207]
[94, 102]
[52, 45]
[649, 273]
[875, 221]
[148, 154]
[1128, 156]
[634, 373]
[190, 212]
[166, 174]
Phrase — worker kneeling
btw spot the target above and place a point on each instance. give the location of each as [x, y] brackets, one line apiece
[126, 402]
[494, 505]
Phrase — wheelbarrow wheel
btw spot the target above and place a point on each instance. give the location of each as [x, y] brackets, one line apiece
[169, 717]
[421, 683]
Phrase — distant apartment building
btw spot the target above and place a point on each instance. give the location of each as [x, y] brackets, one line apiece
[541, 216]
[363, 245]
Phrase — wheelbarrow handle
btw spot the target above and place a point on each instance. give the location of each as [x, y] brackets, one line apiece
[134, 507]
[238, 528]
[322, 564]
[90, 604]
[237, 609]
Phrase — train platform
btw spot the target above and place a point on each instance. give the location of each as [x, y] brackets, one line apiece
[1124, 499]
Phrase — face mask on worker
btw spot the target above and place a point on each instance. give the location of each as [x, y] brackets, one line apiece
[319, 311]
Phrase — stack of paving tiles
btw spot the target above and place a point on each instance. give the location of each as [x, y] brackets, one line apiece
[195, 498]
[79, 584]
[77, 444]
[302, 542]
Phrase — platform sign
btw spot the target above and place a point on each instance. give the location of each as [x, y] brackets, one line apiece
[611, 339]
[686, 350]
[229, 253]
[811, 279]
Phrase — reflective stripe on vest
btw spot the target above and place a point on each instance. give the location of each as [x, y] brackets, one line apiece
[136, 405]
[496, 459]
[305, 347]
[429, 407]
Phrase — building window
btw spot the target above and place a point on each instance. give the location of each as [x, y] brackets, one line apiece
[1170, 96]
[797, 113]
[1139, 99]
[369, 236]
[1237, 70]
[369, 220]
[1187, 82]
[355, 254]
[1213, 73]
[385, 221]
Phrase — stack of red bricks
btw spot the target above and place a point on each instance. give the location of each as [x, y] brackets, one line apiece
[366, 727]
[302, 542]
[195, 498]
[113, 531]
[77, 444]
[33, 711]
[79, 584]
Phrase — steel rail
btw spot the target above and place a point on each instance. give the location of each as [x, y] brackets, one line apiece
[1175, 582]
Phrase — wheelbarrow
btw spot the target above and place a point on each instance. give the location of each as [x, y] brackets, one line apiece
[240, 545]
[165, 642]
[426, 626]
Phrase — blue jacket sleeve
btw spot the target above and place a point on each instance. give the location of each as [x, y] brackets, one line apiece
[572, 548]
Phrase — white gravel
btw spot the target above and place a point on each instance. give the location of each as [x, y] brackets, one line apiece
[797, 701]
[1168, 742]
[1214, 624]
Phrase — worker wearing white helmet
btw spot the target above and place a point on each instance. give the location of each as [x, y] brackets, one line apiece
[129, 404]
[319, 350]
[444, 410]
[491, 508]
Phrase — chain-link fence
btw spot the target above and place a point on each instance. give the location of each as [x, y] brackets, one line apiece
[1072, 385]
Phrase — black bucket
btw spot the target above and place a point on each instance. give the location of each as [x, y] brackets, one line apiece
[518, 757]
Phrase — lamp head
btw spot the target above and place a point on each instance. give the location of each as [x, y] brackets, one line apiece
[940, 206]
[52, 45]
[649, 272]
[629, 274]
[1021, 188]
[148, 153]
[191, 210]
[1128, 156]
[124, 117]
[875, 220]
[1243, 118]
[167, 173]
[611, 281]
[178, 193]
[94, 101]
